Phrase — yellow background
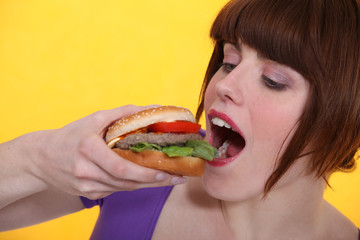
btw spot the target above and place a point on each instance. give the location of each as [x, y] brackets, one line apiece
[62, 60]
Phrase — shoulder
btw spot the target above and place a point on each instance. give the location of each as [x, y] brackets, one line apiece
[337, 225]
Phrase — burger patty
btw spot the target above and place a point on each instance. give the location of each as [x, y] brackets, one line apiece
[162, 140]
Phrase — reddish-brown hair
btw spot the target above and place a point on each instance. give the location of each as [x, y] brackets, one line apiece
[320, 39]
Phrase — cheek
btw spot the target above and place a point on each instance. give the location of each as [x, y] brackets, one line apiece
[209, 99]
[270, 121]
[210, 95]
[273, 124]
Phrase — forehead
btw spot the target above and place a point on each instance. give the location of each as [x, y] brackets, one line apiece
[276, 31]
[238, 47]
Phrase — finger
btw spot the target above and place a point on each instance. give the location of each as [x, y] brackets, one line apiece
[134, 177]
[92, 180]
[121, 168]
[107, 117]
[126, 184]
[114, 185]
[89, 173]
[96, 190]
[173, 180]
[95, 149]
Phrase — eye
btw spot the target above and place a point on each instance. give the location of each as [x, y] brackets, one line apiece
[227, 67]
[272, 84]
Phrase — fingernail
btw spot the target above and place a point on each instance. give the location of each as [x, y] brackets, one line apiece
[178, 180]
[162, 176]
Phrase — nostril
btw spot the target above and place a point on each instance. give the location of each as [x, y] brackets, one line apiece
[226, 91]
[222, 90]
[228, 97]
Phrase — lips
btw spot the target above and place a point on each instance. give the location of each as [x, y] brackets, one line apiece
[226, 137]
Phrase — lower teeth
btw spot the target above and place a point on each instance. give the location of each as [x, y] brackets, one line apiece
[221, 152]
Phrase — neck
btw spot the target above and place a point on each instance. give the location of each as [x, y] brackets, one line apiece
[286, 213]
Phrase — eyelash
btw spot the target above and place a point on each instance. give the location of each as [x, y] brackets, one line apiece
[228, 67]
[272, 84]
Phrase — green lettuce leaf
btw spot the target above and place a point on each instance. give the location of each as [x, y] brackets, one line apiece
[193, 148]
[202, 149]
[139, 147]
[177, 151]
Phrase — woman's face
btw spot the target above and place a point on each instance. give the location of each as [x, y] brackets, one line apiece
[252, 106]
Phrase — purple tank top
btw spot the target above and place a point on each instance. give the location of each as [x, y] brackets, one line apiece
[128, 214]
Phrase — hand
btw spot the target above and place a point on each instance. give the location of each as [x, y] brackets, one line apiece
[75, 159]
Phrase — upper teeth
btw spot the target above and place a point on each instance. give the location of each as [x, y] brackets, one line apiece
[221, 123]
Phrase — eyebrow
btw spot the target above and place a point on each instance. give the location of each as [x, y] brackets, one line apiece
[237, 46]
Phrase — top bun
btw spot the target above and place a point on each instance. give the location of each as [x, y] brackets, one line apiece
[147, 117]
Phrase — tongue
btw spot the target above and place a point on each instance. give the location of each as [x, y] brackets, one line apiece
[231, 147]
[234, 148]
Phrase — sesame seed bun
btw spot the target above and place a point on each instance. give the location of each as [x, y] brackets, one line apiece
[147, 117]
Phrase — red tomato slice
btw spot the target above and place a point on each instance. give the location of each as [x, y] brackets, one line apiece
[175, 127]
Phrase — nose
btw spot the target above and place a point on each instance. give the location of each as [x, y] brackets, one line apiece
[231, 86]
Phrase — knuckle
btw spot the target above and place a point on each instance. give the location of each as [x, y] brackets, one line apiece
[130, 185]
[119, 170]
[92, 190]
[86, 174]
[99, 118]
[88, 189]
[86, 144]
[79, 171]
[96, 196]
[85, 188]
[82, 170]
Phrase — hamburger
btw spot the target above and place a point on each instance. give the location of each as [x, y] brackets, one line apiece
[164, 138]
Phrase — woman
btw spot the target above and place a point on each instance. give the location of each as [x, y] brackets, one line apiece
[284, 79]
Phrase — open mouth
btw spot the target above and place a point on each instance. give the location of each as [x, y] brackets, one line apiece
[228, 142]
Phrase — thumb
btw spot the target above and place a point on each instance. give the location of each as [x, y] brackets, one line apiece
[108, 117]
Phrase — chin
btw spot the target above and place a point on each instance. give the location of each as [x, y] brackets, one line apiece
[230, 189]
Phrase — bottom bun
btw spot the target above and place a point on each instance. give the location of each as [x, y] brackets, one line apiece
[185, 166]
